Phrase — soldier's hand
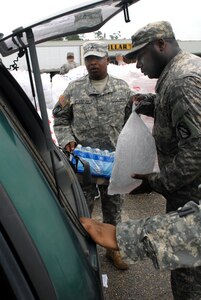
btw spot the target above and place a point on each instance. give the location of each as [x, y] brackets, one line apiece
[70, 146]
[138, 98]
[144, 108]
[102, 233]
[144, 187]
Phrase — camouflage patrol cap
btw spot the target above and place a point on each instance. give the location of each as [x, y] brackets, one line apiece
[97, 48]
[70, 54]
[150, 32]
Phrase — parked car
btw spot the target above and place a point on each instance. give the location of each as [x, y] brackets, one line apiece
[45, 253]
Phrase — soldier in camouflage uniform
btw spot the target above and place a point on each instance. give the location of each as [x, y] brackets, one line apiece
[176, 108]
[91, 113]
[71, 64]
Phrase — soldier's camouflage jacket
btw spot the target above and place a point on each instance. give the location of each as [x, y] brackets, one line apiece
[172, 241]
[65, 68]
[176, 108]
[89, 117]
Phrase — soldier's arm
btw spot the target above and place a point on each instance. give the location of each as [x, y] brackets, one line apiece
[171, 240]
[124, 237]
[186, 165]
[63, 116]
[62, 70]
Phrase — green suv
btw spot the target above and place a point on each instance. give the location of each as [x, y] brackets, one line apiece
[45, 253]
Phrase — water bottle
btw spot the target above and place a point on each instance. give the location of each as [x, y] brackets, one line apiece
[90, 156]
[108, 163]
[95, 161]
[88, 152]
[104, 160]
[106, 153]
[77, 150]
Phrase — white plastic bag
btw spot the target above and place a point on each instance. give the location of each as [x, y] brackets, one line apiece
[135, 153]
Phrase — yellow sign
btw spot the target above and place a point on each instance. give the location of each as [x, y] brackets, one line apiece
[119, 47]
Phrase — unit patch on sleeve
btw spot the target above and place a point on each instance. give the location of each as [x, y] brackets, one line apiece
[183, 131]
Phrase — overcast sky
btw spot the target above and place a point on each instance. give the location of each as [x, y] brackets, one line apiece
[184, 15]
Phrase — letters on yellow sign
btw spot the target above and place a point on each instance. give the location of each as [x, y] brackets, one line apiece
[115, 47]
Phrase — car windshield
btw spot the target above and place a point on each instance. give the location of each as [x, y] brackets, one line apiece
[86, 18]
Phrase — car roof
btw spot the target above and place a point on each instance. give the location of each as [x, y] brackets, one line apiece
[80, 19]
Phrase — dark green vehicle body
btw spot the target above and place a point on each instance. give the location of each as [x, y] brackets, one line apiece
[44, 251]
[42, 230]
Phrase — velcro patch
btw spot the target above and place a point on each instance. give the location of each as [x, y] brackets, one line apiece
[64, 101]
[183, 131]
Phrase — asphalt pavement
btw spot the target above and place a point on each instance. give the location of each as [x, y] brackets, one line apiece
[142, 281]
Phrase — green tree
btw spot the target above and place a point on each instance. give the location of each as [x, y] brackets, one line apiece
[99, 35]
[73, 37]
[115, 35]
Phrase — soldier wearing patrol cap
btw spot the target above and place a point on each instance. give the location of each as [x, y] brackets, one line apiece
[91, 113]
[176, 108]
[148, 34]
[71, 64]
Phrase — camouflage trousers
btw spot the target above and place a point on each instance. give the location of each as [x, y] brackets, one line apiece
[186, 283]
[111, 205]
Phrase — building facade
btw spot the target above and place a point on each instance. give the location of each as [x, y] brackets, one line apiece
[52, 54]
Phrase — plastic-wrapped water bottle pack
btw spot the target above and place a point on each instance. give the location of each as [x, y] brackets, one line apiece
[100, 161]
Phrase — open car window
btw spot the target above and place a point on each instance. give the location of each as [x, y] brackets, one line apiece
[85, 18]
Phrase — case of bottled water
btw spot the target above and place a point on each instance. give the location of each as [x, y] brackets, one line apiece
[100, 161]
